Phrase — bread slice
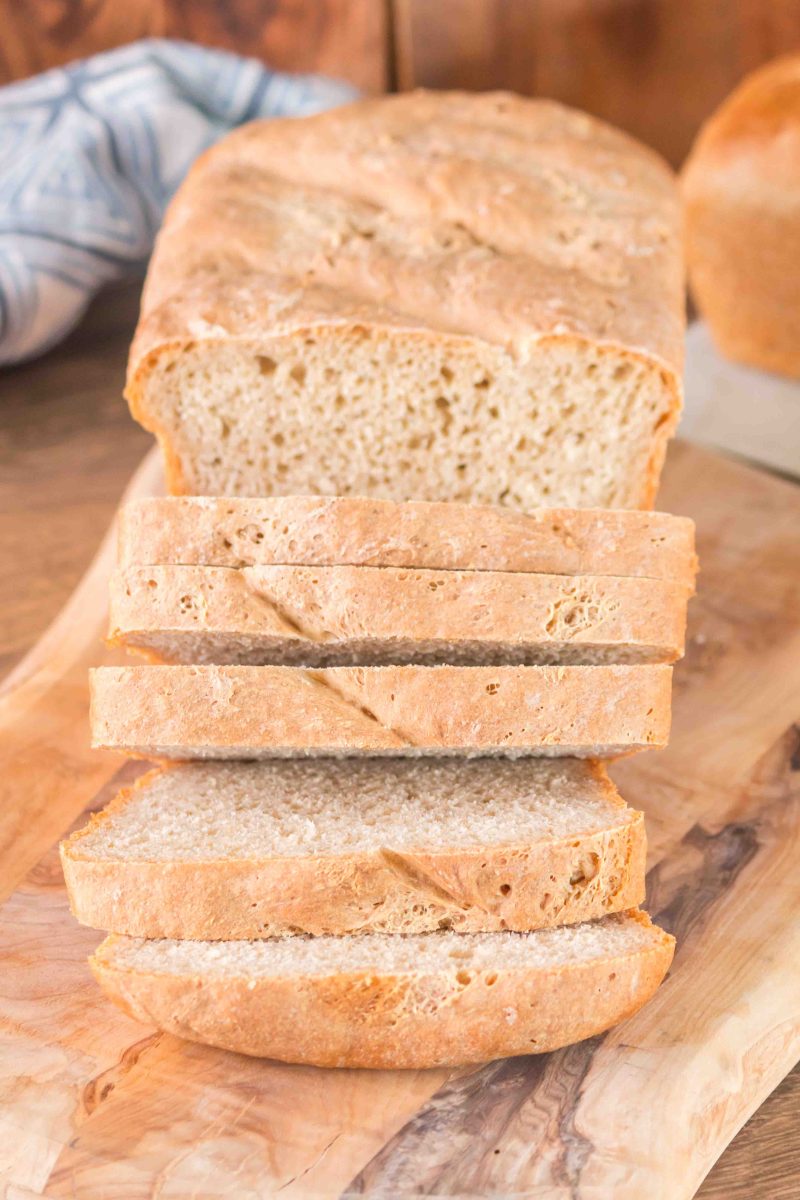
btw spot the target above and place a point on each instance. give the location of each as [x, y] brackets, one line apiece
[440, 295]
[352, 530]
[435, 999]
[332, 616]
[252, 850]
[267, 712]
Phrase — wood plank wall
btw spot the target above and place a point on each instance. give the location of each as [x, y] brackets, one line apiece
[655, 67]
[345, 38]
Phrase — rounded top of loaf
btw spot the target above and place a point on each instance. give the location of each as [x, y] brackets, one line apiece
[478, 215]
[750, 147]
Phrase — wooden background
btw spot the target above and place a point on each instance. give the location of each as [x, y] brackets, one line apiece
[654, 67]
[67, 445]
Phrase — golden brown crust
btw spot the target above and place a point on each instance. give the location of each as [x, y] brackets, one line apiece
[437, 159]
[403, 1020]
[353, 530]
[427, 213]
[741, 184]
[509, 885]
[250, 712]
[328, 616]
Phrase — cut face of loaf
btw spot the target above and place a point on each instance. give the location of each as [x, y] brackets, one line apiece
[392, 1001]
[434, 295]
[253, 850]
[332, 616]
[352, 530]
[266, 712]
[392, 414]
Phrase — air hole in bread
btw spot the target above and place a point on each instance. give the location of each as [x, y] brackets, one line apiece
[585, 871]
[443, 404]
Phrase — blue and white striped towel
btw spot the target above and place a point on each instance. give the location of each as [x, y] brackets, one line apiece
[91, 153]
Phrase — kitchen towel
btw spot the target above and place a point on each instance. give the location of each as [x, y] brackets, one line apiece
[91, 153]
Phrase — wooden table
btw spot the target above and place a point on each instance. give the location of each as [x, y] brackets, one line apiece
[68, 448]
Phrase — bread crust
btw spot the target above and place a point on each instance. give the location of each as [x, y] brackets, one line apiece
[401, 1020]
[507, 885]
[425, 214]
[356, 531]
[741, 184]
[329, 616]
[250, 712]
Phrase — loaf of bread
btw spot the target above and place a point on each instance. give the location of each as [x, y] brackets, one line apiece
[378, 1000]
[251, 850]
[434, 295]
[342, 530]
[742, 190]
[181, 712]
[336, 616]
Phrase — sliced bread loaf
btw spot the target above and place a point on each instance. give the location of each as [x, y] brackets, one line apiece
[439, 295]
[379, 1000]
[343, 530]
[331, 616]
[252, 850]
[267, 712]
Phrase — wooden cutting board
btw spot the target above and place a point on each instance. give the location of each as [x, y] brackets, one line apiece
[94, 1105]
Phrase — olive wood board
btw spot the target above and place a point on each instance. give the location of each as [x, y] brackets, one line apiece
[95, 1105]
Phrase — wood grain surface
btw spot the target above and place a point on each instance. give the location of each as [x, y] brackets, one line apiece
[96, 1105]
[654, 67]
[348, 39]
